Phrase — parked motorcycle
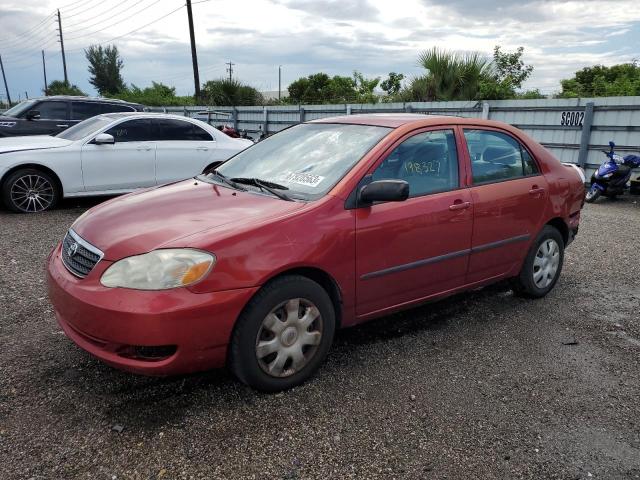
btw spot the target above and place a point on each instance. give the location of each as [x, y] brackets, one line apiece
[612, 176]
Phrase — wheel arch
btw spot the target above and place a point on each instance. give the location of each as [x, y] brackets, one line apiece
[321, 277]
[559, 224]
[35, 166]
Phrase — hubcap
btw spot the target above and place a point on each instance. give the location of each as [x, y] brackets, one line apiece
[32, 193]
[545, 263]
[289, 337]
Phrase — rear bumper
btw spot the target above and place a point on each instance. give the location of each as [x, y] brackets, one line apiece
[190, 331]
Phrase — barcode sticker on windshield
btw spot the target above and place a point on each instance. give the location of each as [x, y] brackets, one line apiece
[303, 179]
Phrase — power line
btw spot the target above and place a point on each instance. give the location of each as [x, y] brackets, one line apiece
[114, 23]
[111, 12]
[89, 5]
[134, 30]
[35, 30]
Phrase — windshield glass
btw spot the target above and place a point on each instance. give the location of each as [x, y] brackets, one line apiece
[84, 128]
[22, 107]
[308, 159]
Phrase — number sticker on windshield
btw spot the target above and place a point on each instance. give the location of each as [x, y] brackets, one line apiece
[306, 179]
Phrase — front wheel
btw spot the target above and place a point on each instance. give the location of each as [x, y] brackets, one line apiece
[592, 195]
[283, 335]
[29, 191]
[542, 266]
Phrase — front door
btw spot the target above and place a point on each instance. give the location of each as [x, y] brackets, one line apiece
[509, 196]
[407, 251]
[127, 164]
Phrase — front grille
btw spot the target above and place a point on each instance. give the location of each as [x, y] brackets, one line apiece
[78, 255]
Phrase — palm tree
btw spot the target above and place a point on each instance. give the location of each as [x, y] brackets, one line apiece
[450, 75]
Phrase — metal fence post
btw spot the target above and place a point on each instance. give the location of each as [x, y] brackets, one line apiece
[408, 108]
[348, 109]
[302, 115]
[234, 118]
[265, 121]
[587, 123]
[485, 110]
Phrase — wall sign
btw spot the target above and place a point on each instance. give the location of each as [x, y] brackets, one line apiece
[572, 119]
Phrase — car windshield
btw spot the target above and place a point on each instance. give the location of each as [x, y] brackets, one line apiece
[84, 128]
[307, 159]
[19, 109]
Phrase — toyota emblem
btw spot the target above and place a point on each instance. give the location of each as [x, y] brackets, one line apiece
[72, 250]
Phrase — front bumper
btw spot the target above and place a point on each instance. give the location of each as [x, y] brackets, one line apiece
[192, 330]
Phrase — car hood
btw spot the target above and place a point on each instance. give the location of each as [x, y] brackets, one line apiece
[149, 219]
[33, 142]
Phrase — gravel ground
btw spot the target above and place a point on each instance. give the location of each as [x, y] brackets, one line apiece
[482, 385]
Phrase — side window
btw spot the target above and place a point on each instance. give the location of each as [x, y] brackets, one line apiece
[84, 110]
[179, 130]
[427, 161]
[52, 110]
[139, 130]
[497, 156]
[114, 108]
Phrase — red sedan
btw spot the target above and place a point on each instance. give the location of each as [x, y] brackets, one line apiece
[325, 225]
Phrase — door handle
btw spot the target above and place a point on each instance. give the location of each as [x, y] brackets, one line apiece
[459, 205]
[145, 148]
[203, 149]
[62, 126]
[535, 190]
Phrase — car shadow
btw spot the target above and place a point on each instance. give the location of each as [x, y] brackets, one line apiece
[151, 403]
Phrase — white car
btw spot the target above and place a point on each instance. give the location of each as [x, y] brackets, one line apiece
[108, 154]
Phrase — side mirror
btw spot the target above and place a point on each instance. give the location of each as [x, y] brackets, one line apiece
[104, 139]
[384, 191]
[33, 115]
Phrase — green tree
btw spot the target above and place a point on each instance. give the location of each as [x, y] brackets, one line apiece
[393, 83]
[105, 65]
[158, 94]
[230, 92]
[506, 76]
[602, 81]
[450, 76]
[365, 88]
[320, 88]
[60, 87]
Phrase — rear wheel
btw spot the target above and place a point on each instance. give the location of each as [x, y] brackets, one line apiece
[29, 191]
[283, 335]
[542, 266]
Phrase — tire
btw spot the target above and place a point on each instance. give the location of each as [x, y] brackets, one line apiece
[257, 353]
[542, 266]
[30, 191]
[592, 195]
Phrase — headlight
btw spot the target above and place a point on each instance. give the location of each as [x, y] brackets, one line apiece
[159, 270]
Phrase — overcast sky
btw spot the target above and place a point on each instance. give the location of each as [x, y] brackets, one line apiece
[307, 36]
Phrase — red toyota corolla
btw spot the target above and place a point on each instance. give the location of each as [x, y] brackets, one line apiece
[324, 225]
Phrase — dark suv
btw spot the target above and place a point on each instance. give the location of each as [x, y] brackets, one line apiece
[51, 115]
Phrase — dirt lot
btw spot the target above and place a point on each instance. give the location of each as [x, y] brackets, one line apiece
[483, 385]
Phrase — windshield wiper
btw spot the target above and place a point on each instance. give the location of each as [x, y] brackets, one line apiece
[270, 187]
[225, 180]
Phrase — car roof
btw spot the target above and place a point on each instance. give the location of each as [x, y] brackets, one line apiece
[116, 115]
[85, 99]
[395, 120]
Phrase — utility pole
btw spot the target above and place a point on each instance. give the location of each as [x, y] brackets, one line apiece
[44, 71]
[194, 55]
[6, 87]
[230, 69]
[279, 81]
[64, 58]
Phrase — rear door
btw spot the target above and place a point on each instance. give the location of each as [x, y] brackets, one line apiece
[127, 164]
[509, 195]
[183, 150]
[406, 251]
